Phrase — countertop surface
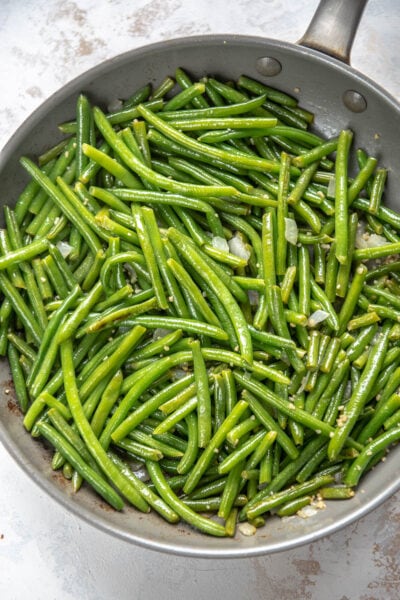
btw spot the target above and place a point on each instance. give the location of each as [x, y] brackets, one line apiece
[46, 553]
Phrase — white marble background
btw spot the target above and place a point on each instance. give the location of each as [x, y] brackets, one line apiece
[49, 554]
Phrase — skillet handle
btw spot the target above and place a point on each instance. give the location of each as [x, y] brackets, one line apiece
[333, 27]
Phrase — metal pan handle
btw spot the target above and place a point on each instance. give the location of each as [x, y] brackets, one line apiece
[333, 27]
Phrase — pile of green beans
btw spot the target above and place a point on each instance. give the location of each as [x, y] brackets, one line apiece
[200, 304]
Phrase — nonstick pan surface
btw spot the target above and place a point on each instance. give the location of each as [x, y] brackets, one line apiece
[321, 83]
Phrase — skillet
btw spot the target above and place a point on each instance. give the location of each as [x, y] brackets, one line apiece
[317, 72]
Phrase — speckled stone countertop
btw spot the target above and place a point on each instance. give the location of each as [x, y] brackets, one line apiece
[47, 553]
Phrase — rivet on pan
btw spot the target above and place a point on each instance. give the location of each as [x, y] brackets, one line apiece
[269, 66]
[354, 101]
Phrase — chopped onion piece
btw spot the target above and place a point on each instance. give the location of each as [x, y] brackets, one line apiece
[303, 385]
[178, 374]
[254, 297]
[371, 240]
[115, 105]
[317, 317]
[131, 271]
[220, 243]
[331, 187]
[247, 529]
[364, 239]
[307, 511]
[291, 231]
[238, 248]
[160, 332]
[64, 248]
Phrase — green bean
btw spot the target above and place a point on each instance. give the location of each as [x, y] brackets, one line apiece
[158, 346]
[41, 279]
[361, 342]
[313, 349]
[20, 307]
[181, 397]
[83, 123]
[52, 153]
[186, 141]
[192, 448]
[294, 506]
[322, 298]
[65, 167]
[341, 195]
[34, 296]
[257, 87]
[265, 475]
[278, 320]
[109, 198]
[382, 413]
[330, 355]
[188, 325]
[61, 201]
[382, 293]
[384, 214]
[288, 408]
[197, 521]
[271, 339]
[212, 488]
[108, 400]
[242, 429]
[55, 276]
[360, 394]
[319, 405]
[304, 280]
[175, 417]
[21, 391]
[297, 192]
[280, 498]
[287, 283]
[202, 268]
[237, 456]
[93, 445]
[73, 457]
[144, 490]
[377, 189]
[125, 115]
[148, 441]
[23, 254]
[230, 491]
[215, 442]
[186, 281]
[143, 171]
[114, 316]
[263, 416]
[259, 453]
[203, 396]
[282, 211]
[251, 124]
[332, 266]
[139, 451]
[13, 271]
[361, 179]
[363, 321]
[392, 421]
[148, 251]
[336, 492]
[147, 408]
[316, 153]
[140, 95]
[370, 450]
